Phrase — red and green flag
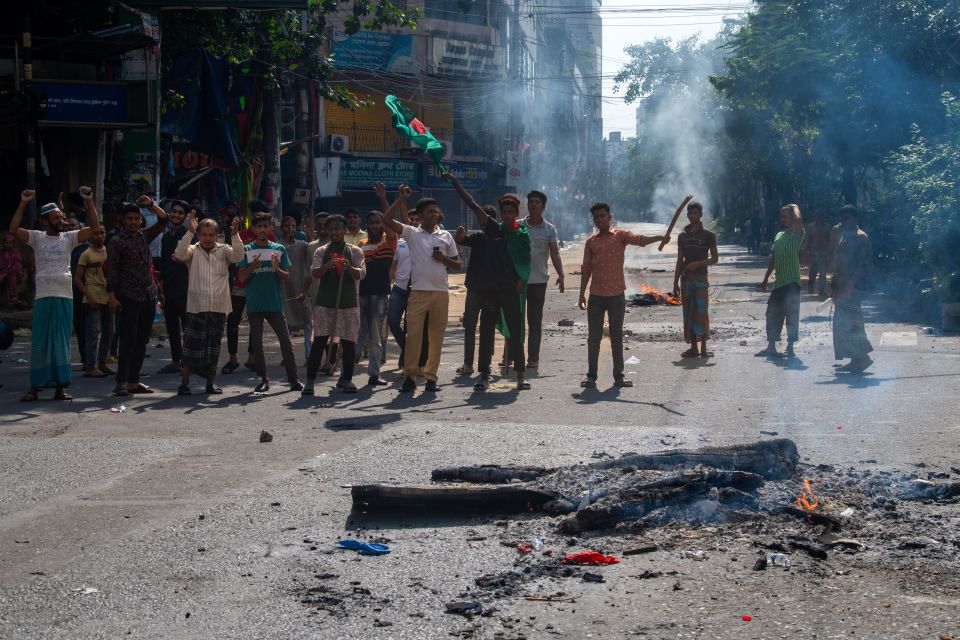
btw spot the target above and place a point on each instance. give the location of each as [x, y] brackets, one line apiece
[409, 126]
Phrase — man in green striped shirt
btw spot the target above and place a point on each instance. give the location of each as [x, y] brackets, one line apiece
[784, 303]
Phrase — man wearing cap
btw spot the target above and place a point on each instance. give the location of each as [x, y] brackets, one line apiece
[53, 309]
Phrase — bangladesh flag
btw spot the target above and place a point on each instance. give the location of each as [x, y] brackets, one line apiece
[409, 126]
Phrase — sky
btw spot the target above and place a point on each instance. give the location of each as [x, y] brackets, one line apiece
[627, 22]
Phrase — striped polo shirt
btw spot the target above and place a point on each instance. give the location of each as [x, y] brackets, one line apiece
[786, 257]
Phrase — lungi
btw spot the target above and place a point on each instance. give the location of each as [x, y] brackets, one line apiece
[202, 334]
[50, 342]
[695, 295]
[347, 326]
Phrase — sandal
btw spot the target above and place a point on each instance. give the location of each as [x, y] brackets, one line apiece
[62, 395]
[588, 383]
[30, 396]
[120, 390]
[349, 387]
[706, 354]
[533, 364]
[140, 388]
[523, 386]
[184, 390]
[464, 370]
[690, 353]
[481, 384]
[622, 382]
[230, 367]
[213, 390]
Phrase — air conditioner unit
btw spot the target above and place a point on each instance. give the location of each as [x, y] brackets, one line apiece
[339, 144]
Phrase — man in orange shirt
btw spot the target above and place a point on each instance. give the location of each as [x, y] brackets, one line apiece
[603, 263]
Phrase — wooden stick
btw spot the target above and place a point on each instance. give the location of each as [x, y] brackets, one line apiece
[674, 221]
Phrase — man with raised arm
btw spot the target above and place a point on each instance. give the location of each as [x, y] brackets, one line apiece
[53, 308]
[132, 290]
[208, 301]
[503, 287]
[432, 252]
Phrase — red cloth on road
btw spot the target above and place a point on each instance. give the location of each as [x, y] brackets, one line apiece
[590, 557]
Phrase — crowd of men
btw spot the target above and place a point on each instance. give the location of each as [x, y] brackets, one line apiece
[342, 288]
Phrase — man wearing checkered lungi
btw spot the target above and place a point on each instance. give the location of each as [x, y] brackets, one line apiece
[208, 300]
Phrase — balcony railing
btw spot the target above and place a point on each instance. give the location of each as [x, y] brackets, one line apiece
[383, 139]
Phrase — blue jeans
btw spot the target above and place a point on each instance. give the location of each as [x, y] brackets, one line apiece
[398, 304]
[99, 334]
[372, 311]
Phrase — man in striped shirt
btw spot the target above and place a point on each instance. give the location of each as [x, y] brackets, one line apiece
[208, 300]
[784, 303]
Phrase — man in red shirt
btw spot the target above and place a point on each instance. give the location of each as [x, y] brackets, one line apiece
[603, 263]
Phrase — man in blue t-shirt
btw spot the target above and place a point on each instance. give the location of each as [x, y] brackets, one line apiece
[264, 266]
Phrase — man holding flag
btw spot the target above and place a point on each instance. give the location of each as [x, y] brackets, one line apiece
[503, 291]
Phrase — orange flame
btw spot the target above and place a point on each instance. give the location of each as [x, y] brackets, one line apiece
[663, 296]
[807, 500]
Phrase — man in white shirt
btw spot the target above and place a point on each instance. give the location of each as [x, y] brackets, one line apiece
[432, 251]
[53, 308]
[543, 243]
[208, 301]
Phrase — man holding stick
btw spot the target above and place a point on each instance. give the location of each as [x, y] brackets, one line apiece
[603, 255]
[53, 308]
[696, 250]
[338, 267]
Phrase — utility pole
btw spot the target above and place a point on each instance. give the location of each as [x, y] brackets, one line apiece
[31, 111]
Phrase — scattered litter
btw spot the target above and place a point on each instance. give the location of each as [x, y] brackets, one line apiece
[778, 560]
[119, 409]
[565, 323]
[694, 554]
[556, 597]
[465, 607]
[266, 436]
[22, 361]
[633, 360]
[365, 548]
[593, 577]
[846, 513]
[769, 433]
[747, 618]
[85, 591]
[524, 549]
[635, 552]
[646, 575]
[537, 542]
[590, 557]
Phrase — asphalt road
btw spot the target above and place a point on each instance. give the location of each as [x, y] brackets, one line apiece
[171, 519]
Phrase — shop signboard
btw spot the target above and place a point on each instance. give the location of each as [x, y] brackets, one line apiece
[95, 103]
[472, 175]
[374, 51]
[363, 173]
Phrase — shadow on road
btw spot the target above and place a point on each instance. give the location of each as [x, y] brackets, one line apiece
[361, 423]
[593, 396]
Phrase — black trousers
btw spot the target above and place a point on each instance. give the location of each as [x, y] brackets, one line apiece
[318, 350]
[175, 317]
[492, 304]
[233, 324]
[136, 320]
[536, 296]
[471, 317]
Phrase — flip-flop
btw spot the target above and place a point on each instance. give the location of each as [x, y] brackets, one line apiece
[690, 353]
[140, 388]
[230, 367]
[589, 383]
[30, 396]
[620, 382]
[62, 395]
[523, 386]
[365, 548]
[464, 371]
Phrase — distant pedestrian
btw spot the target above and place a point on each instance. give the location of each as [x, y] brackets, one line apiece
[296, 307]
[816, 246]
[696, 251]
[208, 301]
[432, 252]
[854, 260]
[174, 283]
[784, 302]
[354, 233]
[755, 233]
[91, 281]
[338, 266]
[132, 290]
[543, 244]
[602, 270]
[53, 308]
[378, 249]
[264, 266]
